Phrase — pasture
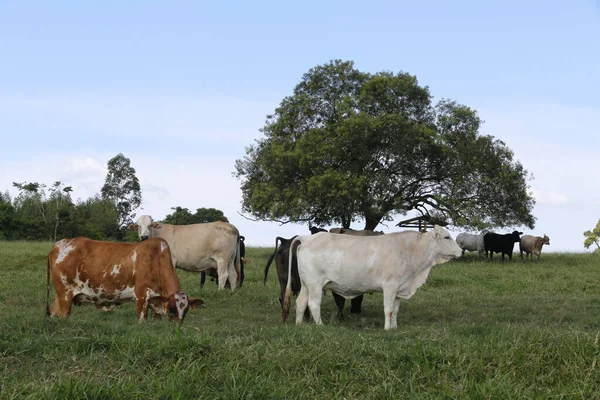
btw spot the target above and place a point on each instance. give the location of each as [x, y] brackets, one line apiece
[475, 330]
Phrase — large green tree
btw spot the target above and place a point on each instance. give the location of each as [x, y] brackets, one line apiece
[183, 216]
[349, 145]
[122, 188]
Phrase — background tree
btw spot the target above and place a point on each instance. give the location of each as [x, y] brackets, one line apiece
[96, 218]
[593, 237]
[8, 221]
[53, 208]
[183, 216]
[349, 145]
[122, 188]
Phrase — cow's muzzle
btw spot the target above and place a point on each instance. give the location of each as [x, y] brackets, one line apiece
[142, 238]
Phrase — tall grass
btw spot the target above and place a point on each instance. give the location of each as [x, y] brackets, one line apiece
[475, 330]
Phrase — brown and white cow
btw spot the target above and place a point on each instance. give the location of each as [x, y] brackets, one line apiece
[532, 245]
[108, 274]
[198, 247]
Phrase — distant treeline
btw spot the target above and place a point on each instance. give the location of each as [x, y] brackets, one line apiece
[35, 216]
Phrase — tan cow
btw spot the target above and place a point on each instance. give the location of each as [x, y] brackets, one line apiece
[198, 247]
[532, 245]
[108, 274]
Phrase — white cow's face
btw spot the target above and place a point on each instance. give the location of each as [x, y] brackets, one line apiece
[446, 248]
[144, 227]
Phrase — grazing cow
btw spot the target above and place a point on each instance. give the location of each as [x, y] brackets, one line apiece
[198, 247]
[396, 264]
[214, 275]
[108, 274]
[281, 256]
[349, 231]
[470, 242]
[533, 245]
[504, 244]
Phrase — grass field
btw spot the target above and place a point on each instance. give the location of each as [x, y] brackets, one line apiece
[475, 330]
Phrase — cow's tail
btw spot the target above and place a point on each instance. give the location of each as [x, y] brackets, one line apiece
[277, 239]
[238, 261]
[285, 309]
[48, 286]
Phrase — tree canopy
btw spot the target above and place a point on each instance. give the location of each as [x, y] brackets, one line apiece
[349, 145]
[183, 216]
[593, 237]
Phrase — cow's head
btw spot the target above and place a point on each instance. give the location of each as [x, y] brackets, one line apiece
[144, 226]
[516, 236]
[546, 240]
[445, 248]
[175, 306]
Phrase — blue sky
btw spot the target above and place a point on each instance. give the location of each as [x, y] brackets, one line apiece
[181, 88]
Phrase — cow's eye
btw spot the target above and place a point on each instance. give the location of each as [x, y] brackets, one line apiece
[446, 237]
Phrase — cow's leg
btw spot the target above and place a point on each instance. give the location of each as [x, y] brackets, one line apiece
[141, 305]
[202, 278]
[340, 301]
[394, 322]
[61, 306]
[301, 304]
[227, 271]
[356, 304]
[315, 297]
[389, 298]
[224, 269]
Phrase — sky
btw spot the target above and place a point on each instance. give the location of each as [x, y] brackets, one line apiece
[182, 88]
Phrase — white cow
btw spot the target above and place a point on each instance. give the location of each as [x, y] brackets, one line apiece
[396, 264]
[470, 242]
[198, 247]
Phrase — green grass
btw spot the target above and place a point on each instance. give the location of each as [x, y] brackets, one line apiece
[475, 330]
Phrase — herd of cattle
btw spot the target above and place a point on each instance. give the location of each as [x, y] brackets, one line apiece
[348, 262]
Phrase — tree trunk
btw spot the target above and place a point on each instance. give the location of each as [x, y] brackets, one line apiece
[371, 222]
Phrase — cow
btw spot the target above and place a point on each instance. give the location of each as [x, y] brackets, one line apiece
[532, 245]
[214, 275]
[316, 229]
[349, 231]
[108, 274]
[396, 264]
[198, 247]
[470, 242]
[281, 256]
[494, 242]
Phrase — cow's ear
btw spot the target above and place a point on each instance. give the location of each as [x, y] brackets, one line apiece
[195, 303]
[156, 225]
[133, 227]
[158, 303]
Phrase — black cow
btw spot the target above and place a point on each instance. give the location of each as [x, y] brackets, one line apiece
[314, 229]
[214, 276]
[281, 256]
[494, 242]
